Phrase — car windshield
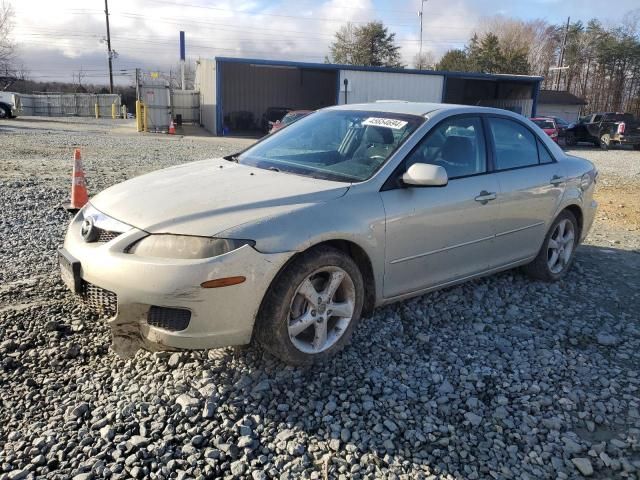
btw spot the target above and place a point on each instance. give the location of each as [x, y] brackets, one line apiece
[544, 123]
[339, 145]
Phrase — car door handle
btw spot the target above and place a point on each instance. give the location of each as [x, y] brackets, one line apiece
[557, 180]
[485, 196]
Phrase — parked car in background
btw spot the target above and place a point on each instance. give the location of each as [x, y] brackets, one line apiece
[289, 118]
[548, 126]
[291, 241]
[605, 129]
[9, 104]
[562, 126]
[272, 115]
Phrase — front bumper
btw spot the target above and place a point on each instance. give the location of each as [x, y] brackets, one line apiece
[589, 214]
[219, 316]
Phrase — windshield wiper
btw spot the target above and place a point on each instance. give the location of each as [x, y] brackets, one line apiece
[274, 169]
[232, 158]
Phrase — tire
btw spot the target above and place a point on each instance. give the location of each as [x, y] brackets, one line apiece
[636, 146]
[4, 113]
[605, 141]
[570, 139]
[300, 343]
[541, 267]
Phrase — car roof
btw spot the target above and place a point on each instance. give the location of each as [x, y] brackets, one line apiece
[421, 108]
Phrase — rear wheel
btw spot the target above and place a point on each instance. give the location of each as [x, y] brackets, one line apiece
[3, 112]
[312, 308]
[605, 141]
[557, 252]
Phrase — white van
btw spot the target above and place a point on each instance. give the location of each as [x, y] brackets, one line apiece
[9, 104]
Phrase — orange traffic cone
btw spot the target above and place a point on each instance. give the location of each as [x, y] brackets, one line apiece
[79, 195]
[172, 128]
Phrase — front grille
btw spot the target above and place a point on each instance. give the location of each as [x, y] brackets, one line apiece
[172, 319]
[100, 301]
[106, 235]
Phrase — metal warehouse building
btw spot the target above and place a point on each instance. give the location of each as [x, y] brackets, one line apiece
[236, 92]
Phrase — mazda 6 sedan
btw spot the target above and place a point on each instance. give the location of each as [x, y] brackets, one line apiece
[290, 242]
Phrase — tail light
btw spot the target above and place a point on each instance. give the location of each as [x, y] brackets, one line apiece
[554, 134]
[621, 127]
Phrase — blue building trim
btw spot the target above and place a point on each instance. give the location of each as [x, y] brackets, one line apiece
[219, 115]
[336, 66]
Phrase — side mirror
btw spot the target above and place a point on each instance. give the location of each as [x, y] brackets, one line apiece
[425, 175]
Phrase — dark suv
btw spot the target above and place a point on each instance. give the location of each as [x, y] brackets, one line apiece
[605, 129]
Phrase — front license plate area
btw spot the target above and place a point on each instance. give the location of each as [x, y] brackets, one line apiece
[69, 270]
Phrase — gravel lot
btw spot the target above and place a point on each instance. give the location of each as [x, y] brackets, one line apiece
[500, 378]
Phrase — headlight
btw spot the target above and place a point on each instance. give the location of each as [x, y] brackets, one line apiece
[103, 221]
[185, 246]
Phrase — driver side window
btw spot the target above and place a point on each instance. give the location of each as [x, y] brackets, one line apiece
[457, 144]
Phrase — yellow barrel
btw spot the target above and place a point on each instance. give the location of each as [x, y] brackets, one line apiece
[97, 111]
[114, 111]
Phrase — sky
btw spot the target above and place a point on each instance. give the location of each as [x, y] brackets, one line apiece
[57, 39]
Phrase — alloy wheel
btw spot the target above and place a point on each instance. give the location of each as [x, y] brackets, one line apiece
[560, 246]
[321, 309]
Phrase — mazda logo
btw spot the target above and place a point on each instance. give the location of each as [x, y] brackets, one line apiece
[88, 230]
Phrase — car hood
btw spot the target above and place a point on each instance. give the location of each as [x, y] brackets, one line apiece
[210, 196]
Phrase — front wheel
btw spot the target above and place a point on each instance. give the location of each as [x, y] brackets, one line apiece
[557, 252]
[311, 309]
[570, 139]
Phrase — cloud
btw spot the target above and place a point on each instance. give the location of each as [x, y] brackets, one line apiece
[55, 39]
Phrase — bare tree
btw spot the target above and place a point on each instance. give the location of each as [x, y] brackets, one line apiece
[7, 47]
[424, 61]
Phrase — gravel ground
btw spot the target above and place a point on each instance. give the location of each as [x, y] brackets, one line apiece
[499, 378]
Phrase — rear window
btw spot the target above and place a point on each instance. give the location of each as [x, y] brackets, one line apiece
[619, 117]
[544, 123]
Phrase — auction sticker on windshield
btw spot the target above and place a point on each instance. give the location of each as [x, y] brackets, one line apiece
[385, 122]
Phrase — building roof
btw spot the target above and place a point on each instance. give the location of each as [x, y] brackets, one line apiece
[336, 66]
[559, 97]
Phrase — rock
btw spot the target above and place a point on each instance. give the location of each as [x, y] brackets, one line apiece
[174, 360]
[607, 340]
[245, 441]
[583, 465]
[285, 435]
[390, 425]
[187, 401]
[18, 474]
[472, 418]
[107, 433]
[445, 388]
[238, 468]
[334, 444]
[138, 441]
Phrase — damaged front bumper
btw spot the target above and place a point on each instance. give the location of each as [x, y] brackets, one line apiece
[159, 304]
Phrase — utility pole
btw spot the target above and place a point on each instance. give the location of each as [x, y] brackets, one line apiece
[106, 13]
[421, 15]
[561, 59]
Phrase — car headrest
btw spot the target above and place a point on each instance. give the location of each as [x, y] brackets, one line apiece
[457, 148]
[378, 135]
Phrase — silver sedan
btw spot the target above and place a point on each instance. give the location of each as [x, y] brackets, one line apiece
[289, 243]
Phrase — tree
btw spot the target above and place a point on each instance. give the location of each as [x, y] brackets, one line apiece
[424, 61]
[454, 61]
[368, 45]
[486, 55]
[7, 47]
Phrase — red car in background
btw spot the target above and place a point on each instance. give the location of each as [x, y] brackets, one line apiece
[288, 118]
[549, 126]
